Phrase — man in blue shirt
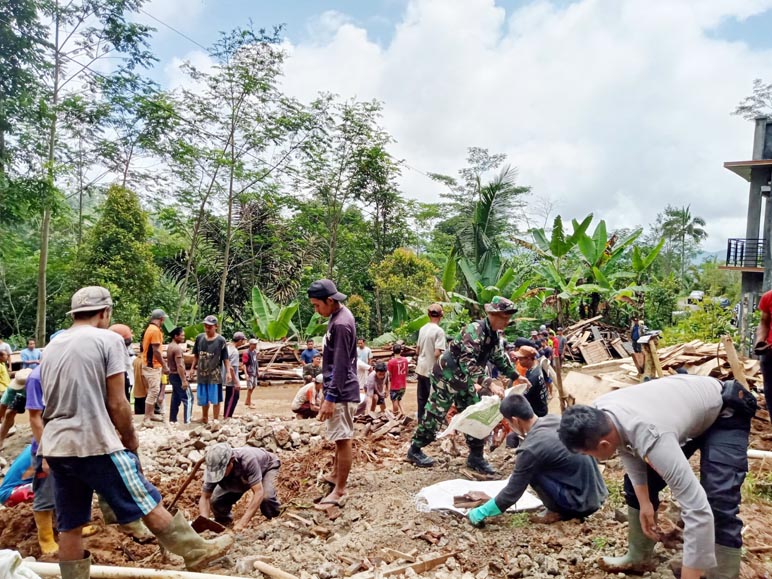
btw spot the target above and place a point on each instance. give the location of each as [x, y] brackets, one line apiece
[307, 355]
[30, 356]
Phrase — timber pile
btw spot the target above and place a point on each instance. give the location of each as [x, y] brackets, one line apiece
[384, 424]
[696, 357]
[591, 341]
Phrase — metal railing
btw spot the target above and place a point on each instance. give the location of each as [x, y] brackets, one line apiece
[742, 252]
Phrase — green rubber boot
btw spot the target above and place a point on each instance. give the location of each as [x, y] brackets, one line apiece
[639, 549]
[727, 563]
[76, 569]
[180, 538]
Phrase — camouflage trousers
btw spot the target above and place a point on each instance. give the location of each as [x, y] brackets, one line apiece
[444, 395]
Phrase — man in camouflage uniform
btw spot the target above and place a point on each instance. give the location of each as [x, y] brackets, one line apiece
[458, 377]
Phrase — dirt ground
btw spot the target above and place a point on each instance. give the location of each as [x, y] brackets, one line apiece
[380, 514]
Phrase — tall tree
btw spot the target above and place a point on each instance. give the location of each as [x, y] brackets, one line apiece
[757, 104]
[83, 32]
[686, 230]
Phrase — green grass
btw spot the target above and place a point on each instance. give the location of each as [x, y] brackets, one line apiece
[616, 493]
[518, 520]
[599, 543]
[757, 486]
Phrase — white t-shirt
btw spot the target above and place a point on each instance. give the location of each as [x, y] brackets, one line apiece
[364, 354]
[431, 337]
[74, 381]
[233, 357]
[302, 396]
[6, 347]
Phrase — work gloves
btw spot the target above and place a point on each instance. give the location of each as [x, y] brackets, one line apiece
[479, 514]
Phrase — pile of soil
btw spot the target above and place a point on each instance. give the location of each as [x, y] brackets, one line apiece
[380, 514]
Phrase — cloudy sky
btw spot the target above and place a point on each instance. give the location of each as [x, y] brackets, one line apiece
[615, 107]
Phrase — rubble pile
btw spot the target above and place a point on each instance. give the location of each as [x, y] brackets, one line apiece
[591, 341]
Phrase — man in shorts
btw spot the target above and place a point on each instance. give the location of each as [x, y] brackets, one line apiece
[251, 366]
[90, 443]
[341, 387]
[210, 353]
[376, 387]
[12, 403]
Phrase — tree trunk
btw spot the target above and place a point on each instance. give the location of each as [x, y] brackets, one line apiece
[45, 226]
[378, 317]
[229, 227]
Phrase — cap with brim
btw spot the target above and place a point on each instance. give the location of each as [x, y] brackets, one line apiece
[319, 378]
[526, 352]
[322, 289]
[238, 336]
[217, 459]
[500, 305]
[158, 314]
[20, 379]
[435, 309]
[254, 341]
[90, 299]
[210, 321]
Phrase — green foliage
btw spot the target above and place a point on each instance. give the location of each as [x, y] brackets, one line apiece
[661, 302]
[709, 322]
[271, 322]
[404, 274]
[519, 520]
[361, 312]
[757, 487]
[116, 255]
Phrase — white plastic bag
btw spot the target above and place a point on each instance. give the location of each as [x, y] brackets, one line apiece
[478, 420]
[12, 566]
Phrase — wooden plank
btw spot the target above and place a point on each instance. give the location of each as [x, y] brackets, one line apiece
[596, 334]
[734, 361]
[594, 352]
[616, 343]
[582, 323]
[417, 567]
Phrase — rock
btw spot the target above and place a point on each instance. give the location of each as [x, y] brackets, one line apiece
[550, 566]
[329, 571]
[196, 432]
[295, 438]
[281, 434]
[482, 574]
[199, 444]
[194, 456]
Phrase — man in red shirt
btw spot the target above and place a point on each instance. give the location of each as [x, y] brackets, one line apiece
[397, 368]
[762, 343]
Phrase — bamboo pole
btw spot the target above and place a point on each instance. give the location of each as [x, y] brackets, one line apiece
[109, 572]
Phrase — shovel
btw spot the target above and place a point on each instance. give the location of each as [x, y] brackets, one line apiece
[200, 523]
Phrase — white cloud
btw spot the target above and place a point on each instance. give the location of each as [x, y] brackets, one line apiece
[613, 107]
[616, 107]
[178, 13]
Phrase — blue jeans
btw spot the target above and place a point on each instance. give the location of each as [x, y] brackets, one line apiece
[180, 395]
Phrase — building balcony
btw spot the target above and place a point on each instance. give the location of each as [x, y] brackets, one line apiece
[745, 254]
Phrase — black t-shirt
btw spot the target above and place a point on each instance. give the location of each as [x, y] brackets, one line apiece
[211, 356]
[537, 393]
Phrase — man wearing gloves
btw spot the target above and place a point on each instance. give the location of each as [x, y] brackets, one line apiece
[458, 377]
[570, 485]
[656, 427]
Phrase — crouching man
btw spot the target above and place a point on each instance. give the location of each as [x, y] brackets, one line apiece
[230, 473]
[570, 485]
[656, 427]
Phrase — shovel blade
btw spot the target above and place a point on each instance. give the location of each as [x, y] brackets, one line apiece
[202, 524]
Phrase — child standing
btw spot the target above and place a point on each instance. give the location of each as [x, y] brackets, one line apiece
[397, 367]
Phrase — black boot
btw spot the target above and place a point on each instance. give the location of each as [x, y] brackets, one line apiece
[418, 458]
[477, 462]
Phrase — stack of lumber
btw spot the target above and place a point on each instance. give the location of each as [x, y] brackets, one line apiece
[591, 341]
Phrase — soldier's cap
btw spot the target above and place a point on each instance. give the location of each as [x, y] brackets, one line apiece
[322, 289]
[158, 314]
[20, 380]
[217, 459]
[500, 305]
[435, 309]
[319, 378]
[238, 336]
[90, 299]
[210, 320]
[526, 352]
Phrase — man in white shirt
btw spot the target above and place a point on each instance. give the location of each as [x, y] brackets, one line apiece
[364, 360]
[431, 344]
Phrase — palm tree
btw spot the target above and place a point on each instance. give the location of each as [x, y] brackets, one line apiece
[681, 226]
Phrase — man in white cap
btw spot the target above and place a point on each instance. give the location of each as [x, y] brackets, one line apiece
[90, 443]
[230, 473]
[12, 403]
[210, 354]
[153, 364]
[251, 366]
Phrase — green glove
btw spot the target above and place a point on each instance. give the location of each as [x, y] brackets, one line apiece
[478, 514]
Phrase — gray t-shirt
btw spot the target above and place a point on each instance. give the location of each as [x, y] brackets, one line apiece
[233, 357]
[431, 337]
[249, 466]
[74, 379]
[211, 355]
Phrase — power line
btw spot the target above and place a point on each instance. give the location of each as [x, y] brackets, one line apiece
[170, 27]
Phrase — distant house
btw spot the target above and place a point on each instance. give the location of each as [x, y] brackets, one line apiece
[752, 254]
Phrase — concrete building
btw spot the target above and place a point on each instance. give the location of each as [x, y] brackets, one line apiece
[752, 254]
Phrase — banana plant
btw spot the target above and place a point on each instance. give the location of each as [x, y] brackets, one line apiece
[601, 252]
[271, 322]
[641, 262]
[315, 327]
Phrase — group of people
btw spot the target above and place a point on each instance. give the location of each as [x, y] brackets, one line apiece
[87, 441]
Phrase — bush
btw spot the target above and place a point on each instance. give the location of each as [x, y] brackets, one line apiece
[661, 300]
[707, 323]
